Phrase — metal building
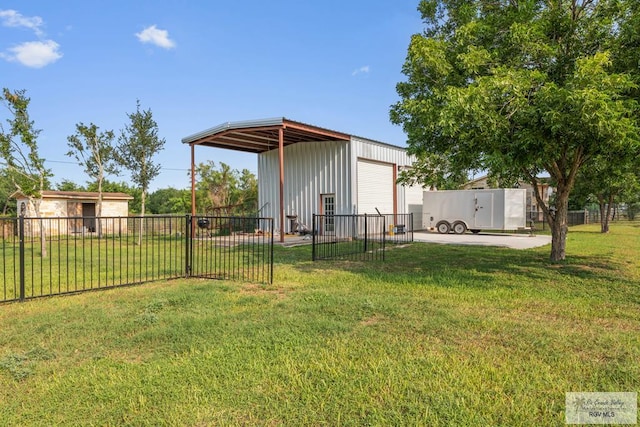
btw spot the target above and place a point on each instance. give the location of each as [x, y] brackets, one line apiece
[305, 169]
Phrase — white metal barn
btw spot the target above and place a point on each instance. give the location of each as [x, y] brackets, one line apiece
[304, 169]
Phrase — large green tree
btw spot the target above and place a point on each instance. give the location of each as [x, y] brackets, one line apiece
[222, 190]
[248, 189]
[170, 201]
[137, 146]
[69, 185]
[19, 154]
[518, 88]
[95, 152]
[608, 179]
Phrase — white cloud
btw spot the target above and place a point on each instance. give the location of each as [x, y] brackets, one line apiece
[157, 37]
[34, 54]
[12, 18]
[361, 70]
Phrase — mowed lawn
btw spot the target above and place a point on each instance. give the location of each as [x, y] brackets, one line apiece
[434, 335]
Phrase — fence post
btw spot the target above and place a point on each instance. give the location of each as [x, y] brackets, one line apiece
[313, 238]
[384, 236]
[271, 257]
[187, 245]
[21, 260]
[365, 233]
[411, 222]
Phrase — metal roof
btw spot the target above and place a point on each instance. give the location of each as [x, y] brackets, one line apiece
[257, 136]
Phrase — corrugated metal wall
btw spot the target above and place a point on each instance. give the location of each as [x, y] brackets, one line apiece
[310, 170]
[315, 168]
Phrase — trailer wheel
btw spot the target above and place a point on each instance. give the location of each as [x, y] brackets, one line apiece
[475, 231]
[459, 227]
[443, 227]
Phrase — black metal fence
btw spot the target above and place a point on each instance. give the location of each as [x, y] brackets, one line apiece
[358, 237]
[235, 248]
[399, 228]
[50, 256]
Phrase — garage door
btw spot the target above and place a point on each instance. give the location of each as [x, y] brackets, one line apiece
[375, 187]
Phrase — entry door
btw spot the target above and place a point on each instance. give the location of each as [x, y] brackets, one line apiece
[484, 210]
[74, 209]
[328, 210]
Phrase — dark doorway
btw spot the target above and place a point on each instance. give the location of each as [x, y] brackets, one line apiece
[89, 216]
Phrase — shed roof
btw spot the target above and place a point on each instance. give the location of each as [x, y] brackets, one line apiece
[84, 195]
[258, 136]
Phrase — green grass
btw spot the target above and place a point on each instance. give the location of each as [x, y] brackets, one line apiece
[74, 264]
[435, 335]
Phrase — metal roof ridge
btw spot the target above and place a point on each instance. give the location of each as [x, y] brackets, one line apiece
[233, 125]
[241, 124]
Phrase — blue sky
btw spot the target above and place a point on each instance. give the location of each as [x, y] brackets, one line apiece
[197, 64]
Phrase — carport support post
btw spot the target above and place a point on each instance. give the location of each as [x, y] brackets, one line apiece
[193, 180]
[281, 165]
[192, 223]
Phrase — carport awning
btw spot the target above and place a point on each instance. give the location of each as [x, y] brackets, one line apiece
[258, 136]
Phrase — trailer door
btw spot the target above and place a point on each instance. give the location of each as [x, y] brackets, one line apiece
[483, 216]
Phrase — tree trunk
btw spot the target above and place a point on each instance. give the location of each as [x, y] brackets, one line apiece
[99, 210]
[43, 236]
[143, 197]
[605, 212]
[559, 226]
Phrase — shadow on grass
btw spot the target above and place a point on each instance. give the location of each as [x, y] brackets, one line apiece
[484, 268]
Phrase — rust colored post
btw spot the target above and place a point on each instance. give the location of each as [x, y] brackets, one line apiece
[281, 163]
[193, 190]
[193, 180]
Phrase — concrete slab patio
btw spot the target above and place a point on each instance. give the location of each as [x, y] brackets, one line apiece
[514, 241]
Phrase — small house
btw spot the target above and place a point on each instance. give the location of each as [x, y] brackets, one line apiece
[68, 212]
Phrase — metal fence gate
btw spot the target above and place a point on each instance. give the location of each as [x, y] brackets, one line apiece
[50, 256]
[358, 237]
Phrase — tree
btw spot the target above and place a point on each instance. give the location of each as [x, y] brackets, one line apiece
[169, 201]
[94, 151]
[248, 191]
[68, 185]
[137, 145]
[6, 191]
[224, 190]
[518, 88]
[431, 170]
[219, 186]
[608, 178]
[19, 154]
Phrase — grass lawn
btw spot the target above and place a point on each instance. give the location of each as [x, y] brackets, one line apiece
[434, 335]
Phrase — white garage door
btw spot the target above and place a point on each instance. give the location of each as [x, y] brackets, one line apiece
[375, 187]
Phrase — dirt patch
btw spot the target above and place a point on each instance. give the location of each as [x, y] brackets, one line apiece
[255, 289]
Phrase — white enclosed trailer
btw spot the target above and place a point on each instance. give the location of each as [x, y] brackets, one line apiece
[475, 210]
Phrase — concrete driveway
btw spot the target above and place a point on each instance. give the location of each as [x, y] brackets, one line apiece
[514, 241]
